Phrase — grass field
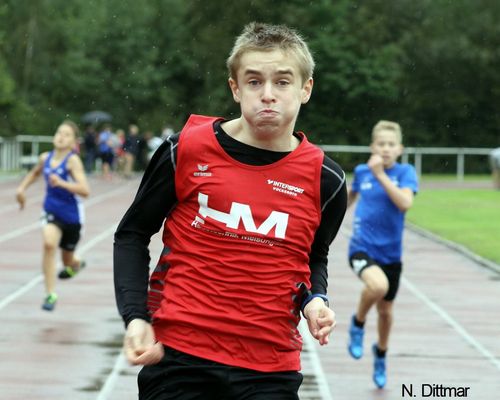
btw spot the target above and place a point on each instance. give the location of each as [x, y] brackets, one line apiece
[470, 217]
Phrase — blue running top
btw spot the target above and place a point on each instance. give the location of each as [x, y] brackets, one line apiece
[378, 223]
[64, 205]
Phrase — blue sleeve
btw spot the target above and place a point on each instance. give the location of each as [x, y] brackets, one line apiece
[355, 180]
[409, 178]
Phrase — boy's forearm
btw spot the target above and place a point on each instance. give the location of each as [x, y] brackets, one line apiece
[401, 197]
[351, 197]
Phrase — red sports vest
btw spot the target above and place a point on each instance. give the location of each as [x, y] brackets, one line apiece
[236, 249]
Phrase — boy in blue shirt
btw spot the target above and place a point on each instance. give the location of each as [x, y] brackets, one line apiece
[385, 189]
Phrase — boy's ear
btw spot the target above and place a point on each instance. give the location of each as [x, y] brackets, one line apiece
[234, 89]
[307, 90]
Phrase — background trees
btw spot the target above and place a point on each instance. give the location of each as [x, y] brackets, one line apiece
[430, 64]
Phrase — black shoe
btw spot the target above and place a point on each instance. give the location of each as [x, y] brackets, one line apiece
[70, 272]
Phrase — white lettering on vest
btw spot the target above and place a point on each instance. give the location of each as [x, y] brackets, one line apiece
[242, 212]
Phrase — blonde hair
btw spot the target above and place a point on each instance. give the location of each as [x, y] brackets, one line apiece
[383, 125]
[264, 37]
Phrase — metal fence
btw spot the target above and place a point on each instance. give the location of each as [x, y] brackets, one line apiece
[22, 151]
[414, 155]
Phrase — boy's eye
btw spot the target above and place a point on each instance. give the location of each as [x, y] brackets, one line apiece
[283, 82]
[253, 82]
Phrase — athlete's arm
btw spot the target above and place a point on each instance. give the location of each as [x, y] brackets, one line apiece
[401, 197]
[334, 205]
[351, 197]
[153, 201]
[31, 177]
[80, 186]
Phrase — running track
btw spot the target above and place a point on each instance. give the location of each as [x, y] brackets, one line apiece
[446, 331]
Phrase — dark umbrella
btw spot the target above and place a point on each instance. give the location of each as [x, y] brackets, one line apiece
[96, 117]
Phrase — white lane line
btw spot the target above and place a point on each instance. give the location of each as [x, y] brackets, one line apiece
[84, 248]
[451, 321]
[447, 317]
[110, 383]
[15, 206]
[93, 201]
[319, 373]
[19, 232]
[312, 353]
[19, 292]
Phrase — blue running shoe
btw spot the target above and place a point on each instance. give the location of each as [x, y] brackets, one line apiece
[50, 302]
[355, 340]
[379, 376]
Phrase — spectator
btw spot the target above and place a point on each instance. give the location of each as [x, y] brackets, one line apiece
[495, 167]
[131, 149]
[90, 147]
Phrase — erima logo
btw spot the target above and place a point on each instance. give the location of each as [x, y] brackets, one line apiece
[242, 213]
[286, 188]
[202, 171]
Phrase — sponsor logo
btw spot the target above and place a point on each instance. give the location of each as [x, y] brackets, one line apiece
[285, 188]
[242, 214]
[367, 185]
[202, 170]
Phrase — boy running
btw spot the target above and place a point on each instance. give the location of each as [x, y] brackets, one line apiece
[386, 189]
[250, 209]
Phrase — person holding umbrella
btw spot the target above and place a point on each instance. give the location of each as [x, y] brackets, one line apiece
[96, 117]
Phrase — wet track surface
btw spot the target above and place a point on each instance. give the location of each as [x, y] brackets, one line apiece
[446, 330]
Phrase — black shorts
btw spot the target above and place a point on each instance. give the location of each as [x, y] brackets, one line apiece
[70, 232]
[360, 261]
[107, 157]
[180, 376]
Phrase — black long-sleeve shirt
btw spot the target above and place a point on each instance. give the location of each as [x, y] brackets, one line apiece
[156, 197]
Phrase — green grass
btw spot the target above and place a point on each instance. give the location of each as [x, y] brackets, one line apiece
[453, 177]
[470, 217]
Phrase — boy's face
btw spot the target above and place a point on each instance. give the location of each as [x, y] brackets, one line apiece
[270, 91]
[64, 138]
[386, 144]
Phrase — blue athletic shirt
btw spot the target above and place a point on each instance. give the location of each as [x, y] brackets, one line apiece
[64, 205]
[378, 223]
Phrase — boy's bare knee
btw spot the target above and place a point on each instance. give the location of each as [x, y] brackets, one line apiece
[378, 289]
[49, 247]
[384, 313]
[377, 285]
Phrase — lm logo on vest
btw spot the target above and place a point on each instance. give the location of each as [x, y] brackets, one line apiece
[243, 213]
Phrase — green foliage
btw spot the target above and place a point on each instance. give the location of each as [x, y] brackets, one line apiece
[429, 64]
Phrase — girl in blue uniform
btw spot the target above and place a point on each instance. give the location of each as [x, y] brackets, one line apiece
[62, 215]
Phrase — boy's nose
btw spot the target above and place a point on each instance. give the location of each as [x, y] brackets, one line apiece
[268, 93]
